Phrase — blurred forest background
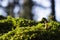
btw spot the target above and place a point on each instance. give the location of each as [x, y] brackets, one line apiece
[30, 9]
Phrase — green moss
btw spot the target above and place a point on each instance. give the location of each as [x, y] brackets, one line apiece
[23, 29]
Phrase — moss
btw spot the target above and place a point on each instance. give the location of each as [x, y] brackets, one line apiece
[23, 29]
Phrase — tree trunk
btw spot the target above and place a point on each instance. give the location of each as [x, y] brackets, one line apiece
[53, 9]
[27, 6]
